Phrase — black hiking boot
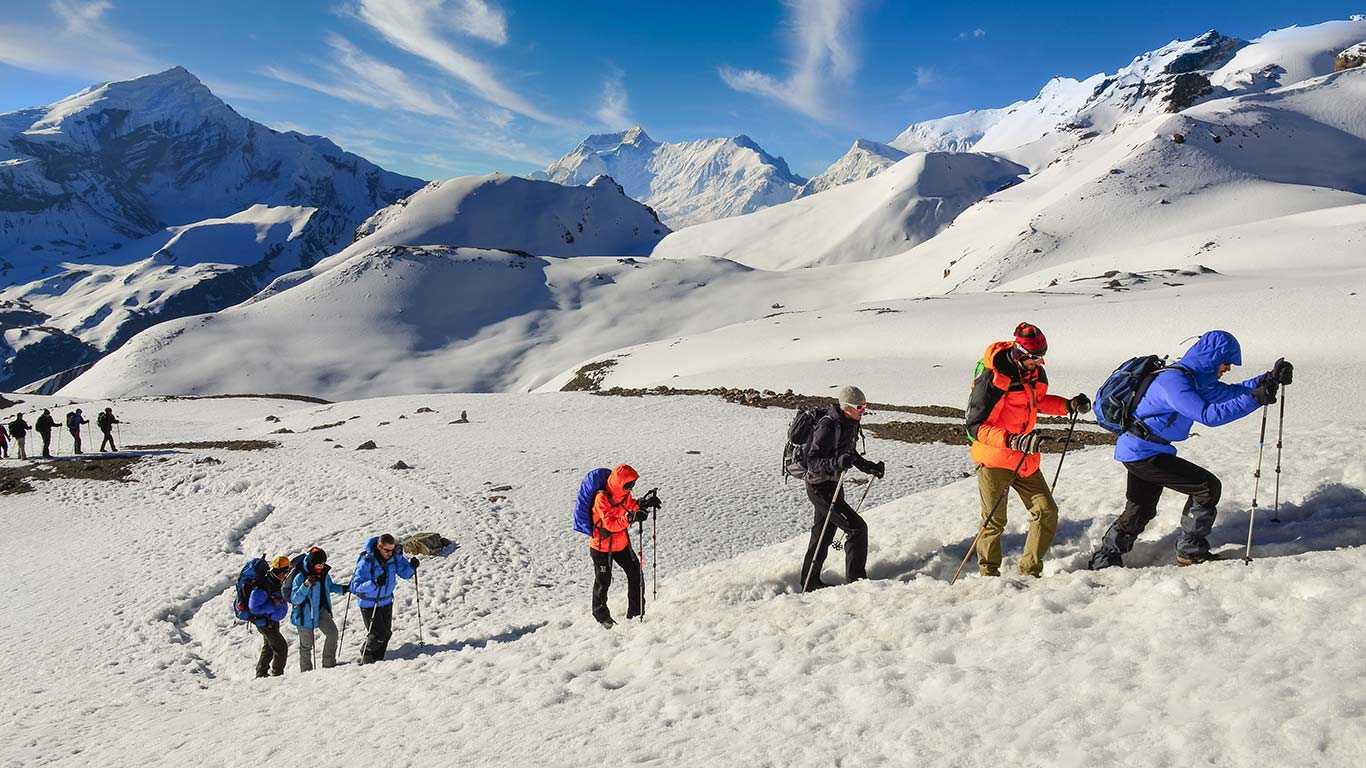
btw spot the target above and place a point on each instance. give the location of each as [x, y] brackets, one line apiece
[1185, 560]
[1105, 558]
[607, 622]
[816, 584]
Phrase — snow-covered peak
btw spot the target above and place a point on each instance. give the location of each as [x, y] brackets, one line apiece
[864, 159]
[686, 182]
[1287, 56]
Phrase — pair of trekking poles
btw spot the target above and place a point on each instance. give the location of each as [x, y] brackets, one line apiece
[825, 526]
[417, 591]
[654, 547]
[1257, 474]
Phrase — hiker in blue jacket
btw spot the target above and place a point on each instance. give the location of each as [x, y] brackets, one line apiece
[267, 608]
[377, 569]
[1176, 399]
[313, 608]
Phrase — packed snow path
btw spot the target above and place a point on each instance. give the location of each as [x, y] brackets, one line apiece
[123, 653]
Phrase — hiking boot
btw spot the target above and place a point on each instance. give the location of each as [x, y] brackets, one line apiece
[988, 571]
[1184, 560]
[816, 584]
[1105, 558]
[607, 622]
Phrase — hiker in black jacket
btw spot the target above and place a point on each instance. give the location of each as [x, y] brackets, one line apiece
[18, 429]
[45, 425]
[74, 420]
[834, 450]
[106, 421]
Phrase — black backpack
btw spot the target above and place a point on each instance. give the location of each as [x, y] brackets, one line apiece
[799, 433]
[1118, 398]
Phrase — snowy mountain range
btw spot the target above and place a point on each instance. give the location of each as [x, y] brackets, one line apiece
[863, 160]
[134, 202]
[685, 182]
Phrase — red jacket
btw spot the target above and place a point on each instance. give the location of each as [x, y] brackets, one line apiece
[612, 510]
[1006, 400]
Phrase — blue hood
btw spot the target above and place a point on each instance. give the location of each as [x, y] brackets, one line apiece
[1211, 350]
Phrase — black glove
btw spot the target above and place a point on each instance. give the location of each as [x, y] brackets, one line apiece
[1079, 404]
[650, 501]
[380, 578]
[1026, 443]
[345, 588]
[413, 562]
[641, 515]
[878, 470]
[1265, 391]
[1283, 372]
[845, 461]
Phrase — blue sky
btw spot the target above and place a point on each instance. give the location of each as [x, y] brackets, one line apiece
[439, 88]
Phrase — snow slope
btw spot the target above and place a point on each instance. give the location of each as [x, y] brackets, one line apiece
[1222, 665]
[879, 216]
[182, 270]
[685, 182]
[955, 133]
[863, 160]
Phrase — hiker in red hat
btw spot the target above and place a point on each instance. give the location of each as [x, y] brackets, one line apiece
[1008, 393]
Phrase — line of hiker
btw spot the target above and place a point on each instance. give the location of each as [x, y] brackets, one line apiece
[302, 587]
[16, 431]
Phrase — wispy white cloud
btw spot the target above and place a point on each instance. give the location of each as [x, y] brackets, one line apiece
[615, 110]
[362, 79]
[79, 41]
[926, 77]
[422, 28]
[824, 55]
[975, 34]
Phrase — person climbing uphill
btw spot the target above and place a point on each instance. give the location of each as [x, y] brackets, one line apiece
[1175, 399]
[614, 510]
[1009, 392]
[832, 451]
[266, 608]
[313, 608]
[378, 569]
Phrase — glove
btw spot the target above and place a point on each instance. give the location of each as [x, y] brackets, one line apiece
[413, 562]
[1079, 404]
[1026, 443]
[346, 589]
[650, 502]
[1265, 391]
[380, 578]
[878, 470]
[845, 461]
[641, 515]
[1283, 372]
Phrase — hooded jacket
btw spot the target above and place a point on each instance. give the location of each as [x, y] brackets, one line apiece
[612, 510]
[1006, 400]
[267, 606]
[1177, 399]
[310, 602]
[834, 437]
[370, 565]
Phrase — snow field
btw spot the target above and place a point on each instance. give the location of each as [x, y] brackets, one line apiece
[1225, 664]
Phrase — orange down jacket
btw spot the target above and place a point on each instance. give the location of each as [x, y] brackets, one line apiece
[612, 510]
[1006, 400]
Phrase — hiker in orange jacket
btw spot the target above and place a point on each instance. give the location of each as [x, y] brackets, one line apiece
[1008, 394]
[614, 510]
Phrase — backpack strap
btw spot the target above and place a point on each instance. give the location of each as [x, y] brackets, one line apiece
[1140, 429]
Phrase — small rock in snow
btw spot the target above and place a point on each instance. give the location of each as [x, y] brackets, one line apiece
[368, 445]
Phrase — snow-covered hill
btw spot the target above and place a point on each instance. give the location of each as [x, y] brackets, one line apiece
[137, 201]
[864, 159]
[685, 182]
[955, 133]
[886, 214]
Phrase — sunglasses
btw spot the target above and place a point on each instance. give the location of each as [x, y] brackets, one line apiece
[630, 486]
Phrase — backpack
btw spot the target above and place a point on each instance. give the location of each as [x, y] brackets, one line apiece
[253, 573]
[799, 433]
[594, 481]
[1123, 390]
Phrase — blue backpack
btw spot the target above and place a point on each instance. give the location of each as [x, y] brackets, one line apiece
[1123, 390]
[254, 572]
[594, 481]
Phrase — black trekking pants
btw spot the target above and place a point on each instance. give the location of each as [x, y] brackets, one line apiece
[108, 439]
[379, 623]
[602, 580]
[274, 650]
[47, 443]
[1147, 479]
[75, 439]
[844, 518]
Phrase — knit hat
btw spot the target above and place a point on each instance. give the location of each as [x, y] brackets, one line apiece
[279, 563]
[850, 395]
[1029, 338]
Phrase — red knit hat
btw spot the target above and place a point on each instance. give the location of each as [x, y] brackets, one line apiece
[1029, 338]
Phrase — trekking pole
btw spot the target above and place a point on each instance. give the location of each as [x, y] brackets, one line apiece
[839, 545]
[1256, 485]
[1280, 431]
[418, 592]
[1067, 441]
[834, 499]
[345, 615]
[973, 548]
[654, 547]
[640, 561]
